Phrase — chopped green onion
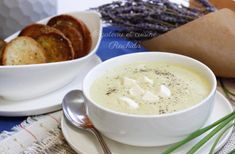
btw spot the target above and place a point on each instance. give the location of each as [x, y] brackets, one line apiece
[196, 134]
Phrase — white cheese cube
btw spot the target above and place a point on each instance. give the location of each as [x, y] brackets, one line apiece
[164, 91]
[148, 80]
[150, 97]
[136, 90]
[130, 102]
[128, 82]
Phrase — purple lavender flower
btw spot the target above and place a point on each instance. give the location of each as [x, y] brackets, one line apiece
[150, 18]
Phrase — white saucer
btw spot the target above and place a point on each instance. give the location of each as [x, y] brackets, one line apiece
[47, 103]
[85, 143]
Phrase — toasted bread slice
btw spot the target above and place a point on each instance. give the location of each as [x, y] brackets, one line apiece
[23, 50]
[36, 30]
[57, 47]
[74, 36]
[77, 24]
[58, 43]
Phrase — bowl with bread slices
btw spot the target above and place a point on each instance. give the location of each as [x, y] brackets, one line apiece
[47, 55]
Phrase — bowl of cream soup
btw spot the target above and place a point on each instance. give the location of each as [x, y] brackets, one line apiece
[149, 98]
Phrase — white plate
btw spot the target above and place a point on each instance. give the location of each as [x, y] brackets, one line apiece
[47, 103]
[83, 142]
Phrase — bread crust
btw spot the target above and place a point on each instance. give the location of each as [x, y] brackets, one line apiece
[23, 50]
[77, 24]
[56, 46]
[2, 45]
[35, 30]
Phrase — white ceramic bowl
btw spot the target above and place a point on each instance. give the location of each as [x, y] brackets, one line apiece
[149, 130]
[29, 81]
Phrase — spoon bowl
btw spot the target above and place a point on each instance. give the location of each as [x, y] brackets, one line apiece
[74, 109]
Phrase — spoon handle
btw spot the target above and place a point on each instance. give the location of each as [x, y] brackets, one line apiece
[99, 137]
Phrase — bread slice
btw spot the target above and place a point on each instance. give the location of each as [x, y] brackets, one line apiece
[23, 50]
[35, 30]
[57, 47]
[74, 36]
[77, 24]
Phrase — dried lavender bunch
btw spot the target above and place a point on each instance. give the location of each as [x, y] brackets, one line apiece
[208, 6]
[153, 17]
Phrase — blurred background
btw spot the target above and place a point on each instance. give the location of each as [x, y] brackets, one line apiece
[15, 14]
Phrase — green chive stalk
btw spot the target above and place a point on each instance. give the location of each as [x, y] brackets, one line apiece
[197, 133]
[219, 137]
[232, 152]
[196, 147]
[225, 89]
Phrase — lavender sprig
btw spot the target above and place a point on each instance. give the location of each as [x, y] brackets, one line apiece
[208, 6]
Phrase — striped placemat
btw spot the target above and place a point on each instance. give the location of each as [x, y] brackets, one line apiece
[36, 135]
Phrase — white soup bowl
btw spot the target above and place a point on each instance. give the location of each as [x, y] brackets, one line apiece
[149, 130]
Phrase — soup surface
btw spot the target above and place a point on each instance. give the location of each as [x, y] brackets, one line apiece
[150, 88]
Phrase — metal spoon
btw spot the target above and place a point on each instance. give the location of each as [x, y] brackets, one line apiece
[75, 112]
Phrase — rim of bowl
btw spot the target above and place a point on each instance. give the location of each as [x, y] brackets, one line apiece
[92, 52]
[212, 91]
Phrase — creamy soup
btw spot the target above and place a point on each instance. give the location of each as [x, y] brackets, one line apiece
[150, 88]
